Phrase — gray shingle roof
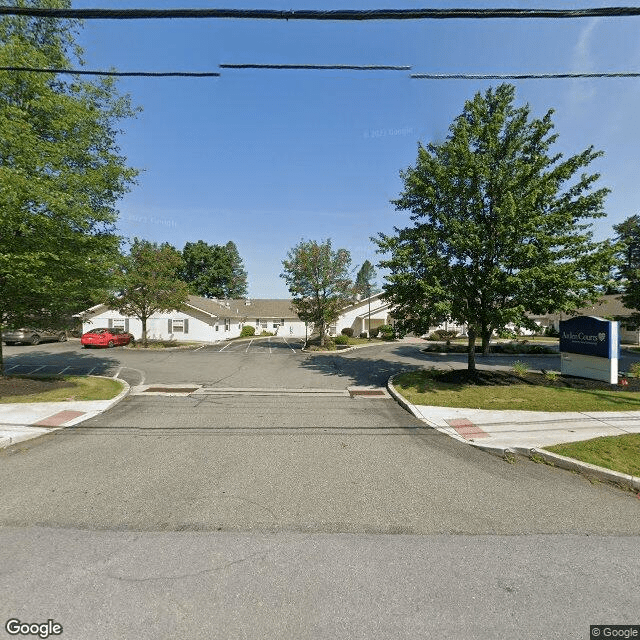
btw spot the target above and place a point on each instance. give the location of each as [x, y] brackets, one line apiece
[256, 308]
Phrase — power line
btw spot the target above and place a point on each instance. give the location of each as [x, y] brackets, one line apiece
[144, 74]
[349, 67]
[518, 76]
[312, 14]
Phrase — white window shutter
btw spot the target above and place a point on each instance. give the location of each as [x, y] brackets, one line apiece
[186, 325]
[169, 326]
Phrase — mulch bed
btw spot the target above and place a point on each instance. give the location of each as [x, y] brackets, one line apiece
[19, 386]
[505, 378]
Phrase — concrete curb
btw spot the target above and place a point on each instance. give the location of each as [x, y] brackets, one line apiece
[591, 470]
[403, 402]
[554, 459]
[491, 355]
[353, 348]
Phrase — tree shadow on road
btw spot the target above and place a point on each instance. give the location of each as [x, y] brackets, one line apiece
[362, 370]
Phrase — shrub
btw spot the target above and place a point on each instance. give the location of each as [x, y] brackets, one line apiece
[506, 334]
[343, 339]
[364, 334]
[520, 368]
[387, 331]
[551, 332]
[247, 330]
[267, 333]
[373, 332]
[551, 376]
[634, 369]
[347, 331]
[445, 334]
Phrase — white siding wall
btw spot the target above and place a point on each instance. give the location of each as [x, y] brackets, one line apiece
[349, 318]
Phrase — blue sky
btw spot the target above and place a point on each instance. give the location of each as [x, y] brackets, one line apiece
[267, 158]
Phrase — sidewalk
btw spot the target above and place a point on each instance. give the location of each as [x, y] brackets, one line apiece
[527, 432]
[22, 421]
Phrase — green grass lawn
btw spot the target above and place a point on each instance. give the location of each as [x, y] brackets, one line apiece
[77, 388]
[619, 453]
[420, 387]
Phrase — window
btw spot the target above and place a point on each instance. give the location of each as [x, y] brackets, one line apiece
[118, 323]
[178, 325]
[217, 327]
[227, 324]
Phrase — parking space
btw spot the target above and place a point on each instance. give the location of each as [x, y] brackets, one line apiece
[259, 345]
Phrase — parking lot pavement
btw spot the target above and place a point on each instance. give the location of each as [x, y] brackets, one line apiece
[266, 345]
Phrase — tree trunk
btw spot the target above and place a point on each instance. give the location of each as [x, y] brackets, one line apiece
[1, 358]
[322, 334]
[144, 330]
[486, 339]
[471, 348]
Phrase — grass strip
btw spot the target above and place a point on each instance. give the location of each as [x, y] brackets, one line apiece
[423, 388]
[618, 453]
[75, 388]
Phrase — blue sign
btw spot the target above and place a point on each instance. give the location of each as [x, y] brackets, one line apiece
[590, 336]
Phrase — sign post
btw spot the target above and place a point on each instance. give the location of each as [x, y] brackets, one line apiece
[590, 348]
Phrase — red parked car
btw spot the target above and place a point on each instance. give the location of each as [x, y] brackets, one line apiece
[105, 338]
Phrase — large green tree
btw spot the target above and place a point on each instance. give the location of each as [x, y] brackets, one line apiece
[627, 245]
[501, 225]
[148, 282]
[61, 174]
[366, 284]
[214, 271]
[318, 279]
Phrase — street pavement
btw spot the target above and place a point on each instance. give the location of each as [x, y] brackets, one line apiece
[220, 513]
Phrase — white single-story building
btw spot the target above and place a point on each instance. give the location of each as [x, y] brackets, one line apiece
[358, 315]
[204, 320]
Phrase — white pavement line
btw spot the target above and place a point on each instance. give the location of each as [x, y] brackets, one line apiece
[90, 371]
[269, 343]
[225, 346]
[14, 367]
[61, 372]
[117, 373]
[202, 347]
[37, 369]
[247, 349]
[288, 345]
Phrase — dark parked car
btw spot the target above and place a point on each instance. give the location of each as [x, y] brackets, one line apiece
[102, 337]
[33, 336]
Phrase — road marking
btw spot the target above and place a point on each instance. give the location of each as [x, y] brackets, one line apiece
[61, 372]
[225, 346]
[89, 372]
[117, 372]
[247, 349]
[269, 343]
[14, 366]
[37, 369]
[288, 345]
[202, 347]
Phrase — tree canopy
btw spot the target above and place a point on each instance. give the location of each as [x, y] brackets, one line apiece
[365, 284]
[502, 225]
[214, 271]
[627, 247]
[148, 282]
[319, 283]
[61, 174]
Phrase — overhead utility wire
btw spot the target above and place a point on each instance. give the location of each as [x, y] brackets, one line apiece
[350, 67]
[518, 76]
[143, 74]
[417, 76]
[314, 14]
